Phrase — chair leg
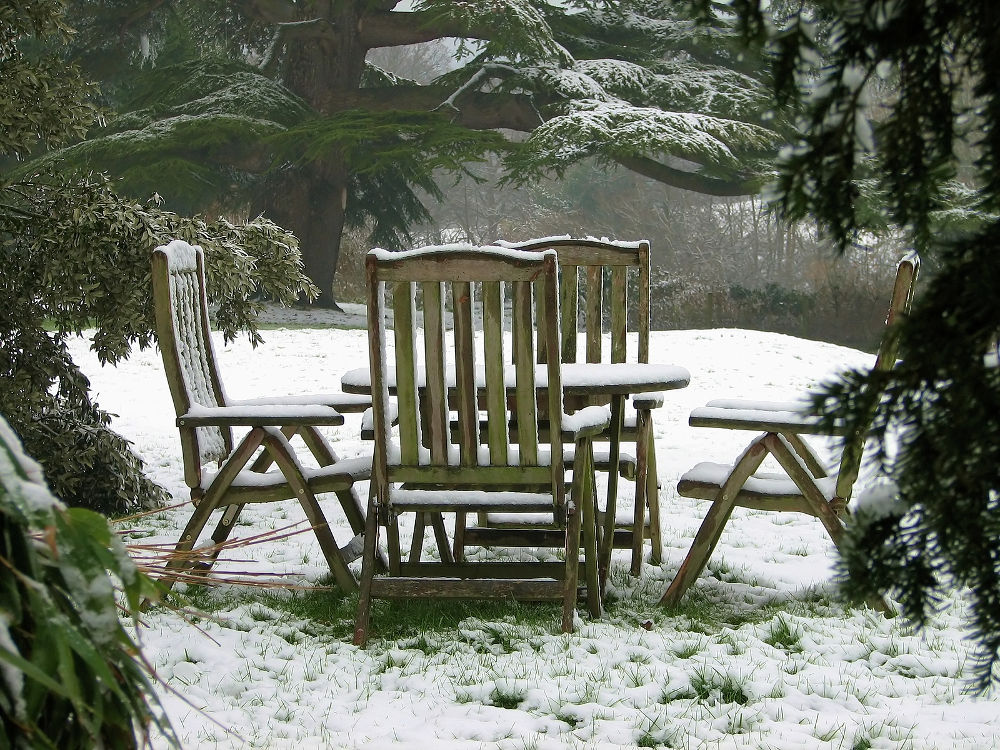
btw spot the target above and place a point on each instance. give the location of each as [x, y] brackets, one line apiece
[353, 507]
[611, 505]
[189, 537]
[572, 566]
[833, 524]
[417, 541]
[641, 490]
[227, 473]
[362, 620]
[588, 521]
[715, 521]
[441, 537]
[458, 551]
[653, 501]
[283, 456]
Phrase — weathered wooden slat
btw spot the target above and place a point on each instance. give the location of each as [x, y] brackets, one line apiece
[541, 322]
[524, 366]
[582, 252]
[642, 324]
[493, 349]
[524, 590]
[465, 373]
[475, 266]
[404, 317]
[434, 403]
[497, 569]
[595, 309]
[569, 290]
[619, 314]
[498, 536]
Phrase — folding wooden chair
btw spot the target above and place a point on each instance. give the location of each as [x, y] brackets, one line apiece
[602, 273]
[206, 417]
[488, 378]
[804, 485]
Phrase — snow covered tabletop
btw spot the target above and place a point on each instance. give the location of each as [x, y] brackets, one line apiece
[578, 378]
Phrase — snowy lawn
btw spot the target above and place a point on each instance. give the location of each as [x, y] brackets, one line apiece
[762, 653]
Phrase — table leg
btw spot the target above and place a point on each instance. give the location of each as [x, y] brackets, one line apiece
[611, 504]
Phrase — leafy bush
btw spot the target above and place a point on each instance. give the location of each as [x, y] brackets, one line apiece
[70, 675]
[76, 255]
[87, 264]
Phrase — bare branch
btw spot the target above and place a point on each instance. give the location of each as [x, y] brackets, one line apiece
[479, 76]
[397, 28]
[314, 28]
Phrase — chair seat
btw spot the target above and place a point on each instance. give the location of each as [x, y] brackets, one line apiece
[472, 500]
[272, 485]
[623, 519]
[627, 464]
[763, 491]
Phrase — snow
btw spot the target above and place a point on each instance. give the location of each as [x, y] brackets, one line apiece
[429, 251]
[718, 673]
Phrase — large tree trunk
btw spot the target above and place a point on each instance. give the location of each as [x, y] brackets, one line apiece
[310, 201]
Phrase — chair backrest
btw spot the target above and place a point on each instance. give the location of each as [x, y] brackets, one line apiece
[184, 336]
[590, 265]
[899, 305]
[488, 290]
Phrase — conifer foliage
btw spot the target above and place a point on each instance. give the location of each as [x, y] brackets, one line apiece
[74, 254]
[271, 103]
[937, 414]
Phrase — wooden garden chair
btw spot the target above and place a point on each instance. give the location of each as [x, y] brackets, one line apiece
[205, 417]
[597, 273]
[804, 486]
[425, 473]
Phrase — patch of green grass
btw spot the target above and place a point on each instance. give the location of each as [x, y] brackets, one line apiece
[687, 650]
[784, 635]
[711, 685]
[504, 697]
[647, 740]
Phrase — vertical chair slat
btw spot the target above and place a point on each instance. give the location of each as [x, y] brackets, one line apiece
[595, 306]
[550, 334]
[404, 315]
[619, 313]
[435, 401]
[465, 373]
[541, 316]
[569, 289]
[642, 324]
[493, 349]
[524, 367]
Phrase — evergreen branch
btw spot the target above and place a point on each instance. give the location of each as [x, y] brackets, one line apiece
[684, 180]
[479, 111]
[268, 11]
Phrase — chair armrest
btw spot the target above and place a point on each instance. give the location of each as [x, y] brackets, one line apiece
[368, 420]
[647, 401]
[588, 422]
[345, 403]
[261, 416]
[766, 416]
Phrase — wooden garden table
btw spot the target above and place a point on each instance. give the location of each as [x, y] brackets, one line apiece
[583, 384]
